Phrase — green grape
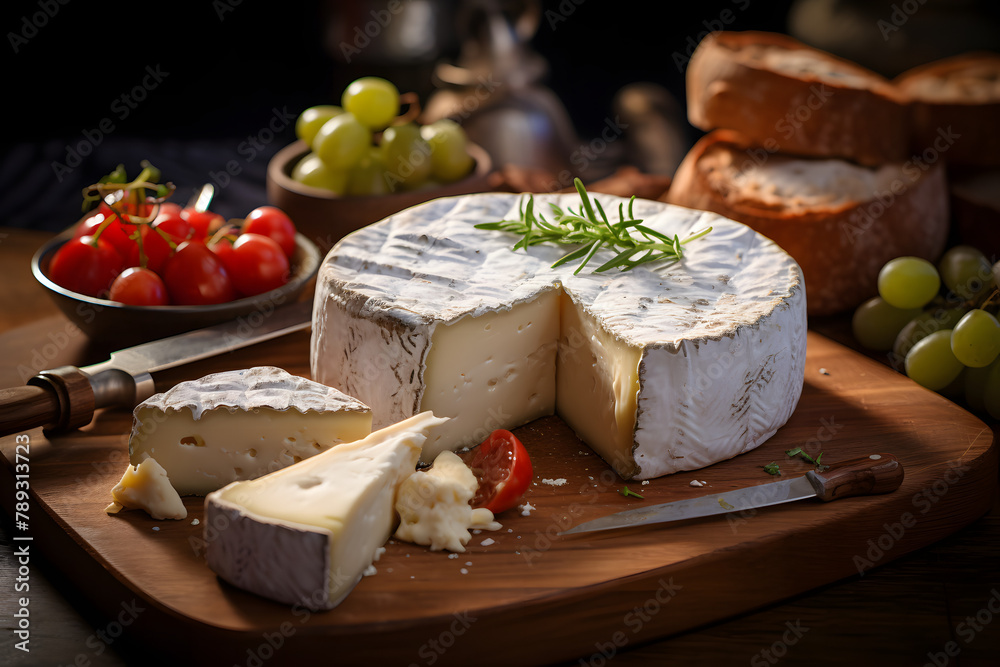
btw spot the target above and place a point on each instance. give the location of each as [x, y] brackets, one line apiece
[931, 363]
[450, 159]
[368, 178]
[342, 141]
[908, 282]
[373, 100]
[312, 171]
[407, 156]
[966, 272]
[876, 324]
[923, 324]
[313, 118]
[975, 340]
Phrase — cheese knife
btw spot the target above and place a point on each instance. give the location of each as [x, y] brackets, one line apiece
[66, 397]
[875, 474]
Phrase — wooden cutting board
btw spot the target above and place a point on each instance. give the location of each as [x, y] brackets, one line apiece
[522, 595]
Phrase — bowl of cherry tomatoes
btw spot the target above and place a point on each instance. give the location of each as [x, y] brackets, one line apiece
[125, 279]
[356, 163]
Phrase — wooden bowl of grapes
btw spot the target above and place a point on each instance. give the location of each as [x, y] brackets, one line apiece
[326, 211]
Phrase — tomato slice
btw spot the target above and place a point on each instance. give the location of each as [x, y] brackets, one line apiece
[503, 468]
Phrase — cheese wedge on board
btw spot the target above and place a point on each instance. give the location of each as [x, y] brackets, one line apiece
[661, 368]
[241, 424]
[304, 535]
[146, 486]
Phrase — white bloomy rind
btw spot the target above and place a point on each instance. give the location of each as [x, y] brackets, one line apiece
[662, 368]
[305, 535]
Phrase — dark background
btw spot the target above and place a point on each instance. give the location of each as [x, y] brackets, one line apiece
[233, 68]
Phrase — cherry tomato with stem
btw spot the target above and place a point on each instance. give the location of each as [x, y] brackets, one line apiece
[272, 221]
[85, 265]
[137, 286]
[159, 239]
[195, 276]
[114, 231]
[202, 223]
[256, 264]
[503, 468]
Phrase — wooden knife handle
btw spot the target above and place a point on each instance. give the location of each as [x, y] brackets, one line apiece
[58, 399]
[878, 473]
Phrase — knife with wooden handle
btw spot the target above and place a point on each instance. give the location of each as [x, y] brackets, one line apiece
[869, 475]
[66, 397]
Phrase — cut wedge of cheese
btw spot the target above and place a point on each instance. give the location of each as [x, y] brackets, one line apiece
[433, 506]
[663, 368]
[241, 424]
[146, 486]
[306, 534]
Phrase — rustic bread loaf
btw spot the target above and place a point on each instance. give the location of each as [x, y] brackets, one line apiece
[975, 208]
[788, 97]
[955, 105]
[839, 220]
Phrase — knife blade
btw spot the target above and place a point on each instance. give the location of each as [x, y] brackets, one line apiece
[869, 475]
[66, 397]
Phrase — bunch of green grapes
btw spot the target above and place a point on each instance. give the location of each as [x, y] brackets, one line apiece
[364, 147]
[938, 323]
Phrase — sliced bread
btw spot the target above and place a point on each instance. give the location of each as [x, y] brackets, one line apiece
[788, 97]
[955, 104]
[839, 220]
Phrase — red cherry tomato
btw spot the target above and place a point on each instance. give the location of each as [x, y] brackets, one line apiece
[137, 286]
[115, 232]
[273, 222]
[223, 247]
[503, 468]
[204, 223]
[155, 246]
[256, 264]
[195, 276]
[85, 265]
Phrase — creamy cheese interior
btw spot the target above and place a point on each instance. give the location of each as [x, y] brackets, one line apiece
[597, 382]
[201, 455]
[497, 370]
[348, 492]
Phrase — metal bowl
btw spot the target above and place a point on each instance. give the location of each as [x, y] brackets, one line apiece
[120, 325]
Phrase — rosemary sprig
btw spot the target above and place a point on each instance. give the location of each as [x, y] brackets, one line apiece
[798, 451]
[589, 227]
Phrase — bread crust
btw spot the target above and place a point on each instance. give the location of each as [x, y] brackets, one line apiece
[975, 209]
[747, 81]
[840, 246]
[959, 95]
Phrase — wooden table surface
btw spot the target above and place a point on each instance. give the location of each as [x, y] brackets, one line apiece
[938, 606]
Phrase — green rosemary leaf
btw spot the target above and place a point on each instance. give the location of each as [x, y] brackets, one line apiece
[589, 227]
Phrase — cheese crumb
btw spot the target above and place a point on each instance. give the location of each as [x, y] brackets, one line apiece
[433, 506]
[526, 509]
[554, 482]
[195, 522]
[695, 482]
[378, 553]
[464, 571]
[645, 482]
[487, 542]
[369, 571]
